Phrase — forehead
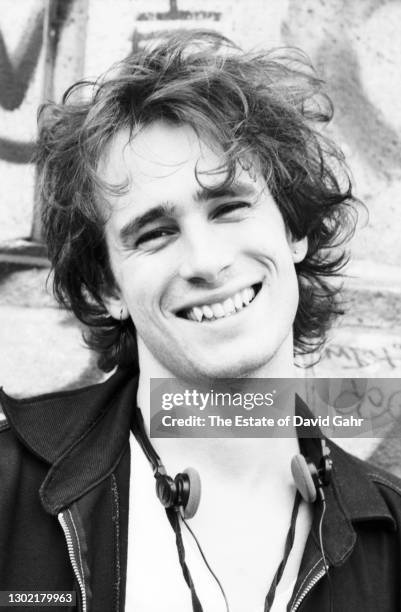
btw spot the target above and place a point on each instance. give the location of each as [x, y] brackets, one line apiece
[164, 161]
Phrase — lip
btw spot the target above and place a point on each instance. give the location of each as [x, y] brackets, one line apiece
[212, 298]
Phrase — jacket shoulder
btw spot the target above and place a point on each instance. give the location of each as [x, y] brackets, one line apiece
[380, 477]
[368, 492]
[49, 424]
[384, 480]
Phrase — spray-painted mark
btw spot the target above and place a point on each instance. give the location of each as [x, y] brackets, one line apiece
[16, 72]
[351, 357]
[176, 14]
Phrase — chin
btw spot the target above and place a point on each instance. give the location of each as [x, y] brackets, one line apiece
[224, 369]
[271, 360]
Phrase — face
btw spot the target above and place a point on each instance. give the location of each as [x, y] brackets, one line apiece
[207, 277]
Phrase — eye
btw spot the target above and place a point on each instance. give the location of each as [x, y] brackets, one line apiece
[156, 238]
[231, 209]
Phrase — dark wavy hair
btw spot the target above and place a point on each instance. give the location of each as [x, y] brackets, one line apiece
[254, 106]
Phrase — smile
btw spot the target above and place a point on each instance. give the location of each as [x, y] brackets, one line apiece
[221, 310]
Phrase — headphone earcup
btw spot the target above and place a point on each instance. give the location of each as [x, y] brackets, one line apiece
[191, 505]
[303, 478]
[166, 490]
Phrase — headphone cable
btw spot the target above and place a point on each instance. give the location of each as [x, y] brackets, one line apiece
[206, 562]
[326, 567]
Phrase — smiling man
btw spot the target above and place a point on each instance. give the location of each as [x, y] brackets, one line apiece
[194, 215]
[224, 290]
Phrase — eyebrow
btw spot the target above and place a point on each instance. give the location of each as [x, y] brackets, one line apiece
[163, 210]
[168, 209]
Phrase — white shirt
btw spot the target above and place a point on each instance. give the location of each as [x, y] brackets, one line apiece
[154, 576]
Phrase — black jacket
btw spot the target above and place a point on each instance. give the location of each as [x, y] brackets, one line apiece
[64, 477]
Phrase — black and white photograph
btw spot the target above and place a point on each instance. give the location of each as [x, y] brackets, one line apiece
[200, 305]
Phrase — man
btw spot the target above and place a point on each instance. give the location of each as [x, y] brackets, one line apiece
[191, 208]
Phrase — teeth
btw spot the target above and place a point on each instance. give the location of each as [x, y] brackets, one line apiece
[208, 312]
[251, 293]
[222, 309]
[218, 310]
[228, 306]
[245, 296]
[238, 301]
[198, 313]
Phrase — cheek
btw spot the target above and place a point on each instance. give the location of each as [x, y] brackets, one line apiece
[134, 288]
[266, 233]
[143, 286]
[273, 250]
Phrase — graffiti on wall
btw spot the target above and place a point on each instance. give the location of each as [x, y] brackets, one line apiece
[16, 73]
[18, 68]
[347, 357]
[351, 43]
[173, 14]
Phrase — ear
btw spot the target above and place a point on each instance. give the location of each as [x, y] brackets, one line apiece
[299, 249]
[116, 307]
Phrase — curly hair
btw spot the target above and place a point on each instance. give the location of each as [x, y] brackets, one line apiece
[265, 106]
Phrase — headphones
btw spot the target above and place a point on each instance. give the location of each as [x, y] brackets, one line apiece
[310, 479]
[182, 492]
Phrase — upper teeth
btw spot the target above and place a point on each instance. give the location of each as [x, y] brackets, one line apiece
[219, 310]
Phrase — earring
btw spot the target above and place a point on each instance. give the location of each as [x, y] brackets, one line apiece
[121, 315]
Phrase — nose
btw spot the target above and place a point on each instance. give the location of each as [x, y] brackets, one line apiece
[206, 257]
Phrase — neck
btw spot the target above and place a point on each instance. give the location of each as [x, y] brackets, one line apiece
[225, 458]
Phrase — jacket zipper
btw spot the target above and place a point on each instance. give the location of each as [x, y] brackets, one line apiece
[313, 581]
[73, 554]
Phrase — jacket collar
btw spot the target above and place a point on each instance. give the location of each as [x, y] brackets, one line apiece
[351, 497]
[82, 434]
